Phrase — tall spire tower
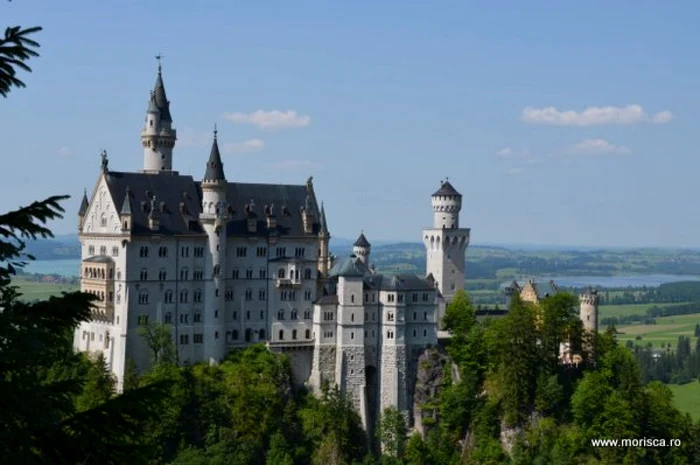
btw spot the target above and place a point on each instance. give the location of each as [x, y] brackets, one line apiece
[158, 136]
[446, 244]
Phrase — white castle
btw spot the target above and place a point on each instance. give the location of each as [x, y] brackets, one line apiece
[229, 264]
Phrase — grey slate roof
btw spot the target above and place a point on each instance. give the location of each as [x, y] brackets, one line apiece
[288, 221]
[327, 300]
[83, 205]
[362, 241]
[178, 199]
[126, 206]
[215, 167]
[397, 282]
[349, 267]
[161, 99]
[170, 189]
[99, 259]
[446, 189]
[152, 106]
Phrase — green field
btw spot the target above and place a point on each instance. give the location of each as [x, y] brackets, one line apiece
[666, 330]
[33, 290]
[607, 311]
[687, 398]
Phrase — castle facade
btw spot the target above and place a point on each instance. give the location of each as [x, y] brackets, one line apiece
[230, 264]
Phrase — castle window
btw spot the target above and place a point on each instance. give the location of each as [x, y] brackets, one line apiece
[91, 250]
[198, 252]
[263, 273]
[390, 335]
[143, 297]
[235, 315]
[247, 314]
[372, 297]
[307, 314]
[307, 273]
[415, 316]
[216, 314]
[110, 297]
[144, 275]
[183, 318]
[294, 315]
[183, 296]
[261, 334]
[262, 314]
[228, 295]
[103, 220]
[280, 315]
[103, 250]
[115, 251]
[111, 273]
[299, 252]
[168, 298]
[425, 333]
[425, 316]
[241, 251]
[414, 333]
[389, 316]
[197, 275]
[415, 297]
[390, 297]
[425, 297]
[352, 298]
[197, 317]
[184, 339]
[352, 317]
[296, 275]
[281, 338]
[249, 273]
[262, 294]
[588, 318]
[234, 334]
[281, 252]
[198, 338]
[162, 274]
[217, 269]
[400, 298]
[142, 320]
[307, 334]
[307, 294]
[197, 295]
[168, 318]
[294, 334]
[261, 252]
[280, 273]
[234, 275]
[143, 252]
[249, 294]
[183, 274]
[162, 252]
[248, 334]
[366, 297]
[352, 335]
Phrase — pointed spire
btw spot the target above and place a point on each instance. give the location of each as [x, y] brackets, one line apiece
[160, 98]
[84, 204]
[215, 167]
[152, 106]
[126, 205]
[362, 240]
[324, 225]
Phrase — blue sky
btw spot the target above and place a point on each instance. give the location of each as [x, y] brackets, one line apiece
[559, 122]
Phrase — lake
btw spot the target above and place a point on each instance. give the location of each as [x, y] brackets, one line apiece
[70, 267]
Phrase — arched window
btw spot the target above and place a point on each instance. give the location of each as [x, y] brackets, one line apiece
[281, 338]
[307, 334]
[352, 298]
[234, 335]
[307, 273]
[261, 334]
[280, 273]
[294, 334]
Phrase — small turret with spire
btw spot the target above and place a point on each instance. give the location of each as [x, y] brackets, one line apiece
[84, 204]
[158, 137]
[125, 212]
[324, 236]
[362, 248]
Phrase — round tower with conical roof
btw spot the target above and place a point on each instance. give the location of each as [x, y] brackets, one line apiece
[214, 218]
[588, 312]
[446, 244]
[362, 248]
[158, 136]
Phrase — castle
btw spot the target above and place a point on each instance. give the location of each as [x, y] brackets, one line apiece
[229, 264]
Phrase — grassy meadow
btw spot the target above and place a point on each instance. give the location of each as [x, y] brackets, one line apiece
[687, 398]
[666, 330]
[37, 290]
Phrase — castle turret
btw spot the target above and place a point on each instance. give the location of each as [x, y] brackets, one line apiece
[125, 212]
[446, 244]
[324, 237]
[158, 137]
[362, 248]
[588, 313]
[213, 218]
[84, 204]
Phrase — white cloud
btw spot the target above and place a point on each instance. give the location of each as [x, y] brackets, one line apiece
[252, 145]
[594, 116]
[514, 172]
[274, 119]
[188, 137]
[508, 153]
[598, 147]
[64, 151]
[294, 164]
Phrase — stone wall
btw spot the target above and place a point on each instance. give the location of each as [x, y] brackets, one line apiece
[393, 377]
[323, 366]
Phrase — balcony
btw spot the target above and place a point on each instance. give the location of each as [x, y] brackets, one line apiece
[287, 283]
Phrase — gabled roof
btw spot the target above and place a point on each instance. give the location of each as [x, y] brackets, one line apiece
[446, 189]
[398, 282]
[362, 241]
[349, 267]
